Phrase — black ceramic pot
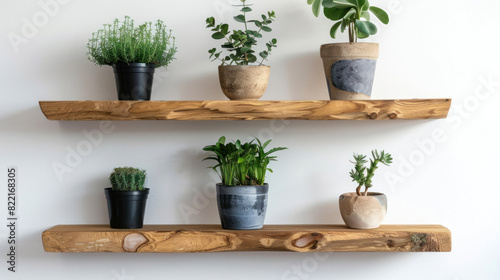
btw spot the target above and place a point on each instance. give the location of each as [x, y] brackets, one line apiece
[242, 207]
[134, 81]
[126, 208]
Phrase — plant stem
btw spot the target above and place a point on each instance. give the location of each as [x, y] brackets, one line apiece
[358, 190]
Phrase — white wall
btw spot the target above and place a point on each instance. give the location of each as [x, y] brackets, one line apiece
[432, 49]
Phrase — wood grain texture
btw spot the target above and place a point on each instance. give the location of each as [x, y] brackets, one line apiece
[246, 110]
[212, 238]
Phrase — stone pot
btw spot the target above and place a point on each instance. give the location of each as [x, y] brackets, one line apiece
[363, 212]
[242, 207]
[350, 69]
[244, 82]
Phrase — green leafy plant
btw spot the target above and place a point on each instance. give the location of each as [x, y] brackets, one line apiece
[353, 15]
[363, 175]
[127, 179]
[126, 43]
[240, 43]
[241, 163]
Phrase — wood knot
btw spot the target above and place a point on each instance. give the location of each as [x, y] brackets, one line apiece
[309, 241]
[133, 241]
[373, 115]
[393, 116]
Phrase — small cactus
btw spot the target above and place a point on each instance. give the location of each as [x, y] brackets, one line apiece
[127, 179]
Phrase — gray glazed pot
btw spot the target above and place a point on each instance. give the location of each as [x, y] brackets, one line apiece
[242, 207]
[363, 212]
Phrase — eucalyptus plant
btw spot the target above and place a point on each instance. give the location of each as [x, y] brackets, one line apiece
[363, 175]
[241, 163]
[124, 42]
[240, 43]
[128, 179]
[351, 15]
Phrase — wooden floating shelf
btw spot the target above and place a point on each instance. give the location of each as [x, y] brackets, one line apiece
[246, 110]
[212, 238]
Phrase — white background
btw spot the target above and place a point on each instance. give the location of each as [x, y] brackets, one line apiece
[431, 49]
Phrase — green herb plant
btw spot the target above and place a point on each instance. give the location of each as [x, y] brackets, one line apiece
[127, 179]
[363, 175]
[241, 163]
[125, 43]
[351, 15]
[240, 43]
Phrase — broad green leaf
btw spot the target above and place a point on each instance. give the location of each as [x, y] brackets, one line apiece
[310, 2]
[335, 14]
[365, 15]
[222, 140]
[251, 58]
[366, 27]
[266, 28]
[349, 14]
[217, 35]
[274, 41]
[328, 4]
[245, 50]
[380, 14]
[239, 18]
[316, 5]
[263, 55]
[343, 4]
[362, 35]
[246, 10]
[363, 5]
[334, 29]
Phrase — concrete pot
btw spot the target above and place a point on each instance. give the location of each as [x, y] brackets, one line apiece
[363, 212]
[242, 82]
[242, 207]
[350, 69]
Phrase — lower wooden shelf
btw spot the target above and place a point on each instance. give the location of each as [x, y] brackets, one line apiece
[212, 238]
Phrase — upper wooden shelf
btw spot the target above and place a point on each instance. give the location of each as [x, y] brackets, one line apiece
[246, 110]
[212, 238]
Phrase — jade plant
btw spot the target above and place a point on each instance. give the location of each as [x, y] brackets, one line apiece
[241, 163]
[363, 175]
[240, 43]
[351, 15]
[128, 179]
[127, 43]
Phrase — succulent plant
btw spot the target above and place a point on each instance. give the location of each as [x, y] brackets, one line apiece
[363, 175]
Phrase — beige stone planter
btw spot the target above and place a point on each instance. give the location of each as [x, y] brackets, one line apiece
[363, 212]
[350, 69]
[241, 82]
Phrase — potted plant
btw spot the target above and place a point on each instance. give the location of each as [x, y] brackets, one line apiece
[242, 194]
[127, 198]
[350, 67]
[364, 210]
[134, 53]
[239, 79]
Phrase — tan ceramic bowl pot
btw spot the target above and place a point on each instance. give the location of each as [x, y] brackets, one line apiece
[363, 212]
[244, 82]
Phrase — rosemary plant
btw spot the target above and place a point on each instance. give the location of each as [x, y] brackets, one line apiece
[240, 43]
[127, 179]
[353, 15]
[241, 163]
[362, 175]
[127, 43]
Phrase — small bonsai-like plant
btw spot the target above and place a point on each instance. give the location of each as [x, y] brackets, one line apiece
[129, 44]
[128, 179]
[362, 175]
[353, 15]
[240, 43]
[241, 163]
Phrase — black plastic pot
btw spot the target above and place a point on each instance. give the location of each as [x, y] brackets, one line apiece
[126, 208]
[134, 81]
[242, 207]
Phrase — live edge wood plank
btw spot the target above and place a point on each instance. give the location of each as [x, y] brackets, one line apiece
[246, 110]
[212, 238]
